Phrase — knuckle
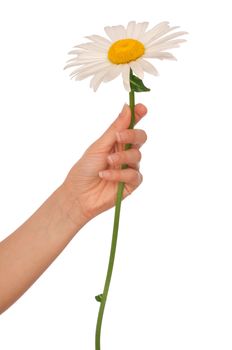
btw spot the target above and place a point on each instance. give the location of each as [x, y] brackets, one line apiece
[136, 176]
[126, 135]
[142, 136]
[126, 156]
[128, 190]
[114, 158]
[118, 157]
[116, 175]
[145, 136]
[133, 136]
[138, 154]
[111, 175]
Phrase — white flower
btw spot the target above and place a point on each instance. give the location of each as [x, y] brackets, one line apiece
[126, 48]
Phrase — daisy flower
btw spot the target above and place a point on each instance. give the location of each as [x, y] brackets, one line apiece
[125, 49]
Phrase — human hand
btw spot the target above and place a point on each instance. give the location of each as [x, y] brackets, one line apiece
[91, 185]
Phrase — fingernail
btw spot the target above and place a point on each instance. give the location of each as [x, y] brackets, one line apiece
[113, 158]
[118, 136]
[102, 174]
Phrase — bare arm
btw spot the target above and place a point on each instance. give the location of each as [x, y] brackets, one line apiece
[89, 189]
[28, 251]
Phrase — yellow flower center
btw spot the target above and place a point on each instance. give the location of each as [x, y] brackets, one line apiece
[125, 51]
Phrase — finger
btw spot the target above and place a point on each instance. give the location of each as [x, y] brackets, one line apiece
[122, 122]
[140, 112]
[124, 118]
[130, 157]
[131, 177]
[135, 137]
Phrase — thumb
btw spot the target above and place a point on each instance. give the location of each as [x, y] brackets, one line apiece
[122, 122]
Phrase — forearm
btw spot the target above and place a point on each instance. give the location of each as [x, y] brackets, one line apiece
[27, 252]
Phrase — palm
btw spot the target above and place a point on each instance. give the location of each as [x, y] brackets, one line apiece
[95, 194]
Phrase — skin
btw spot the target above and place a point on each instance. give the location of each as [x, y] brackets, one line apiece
[89, 189]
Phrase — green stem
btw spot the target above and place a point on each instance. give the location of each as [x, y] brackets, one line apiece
[115, 234]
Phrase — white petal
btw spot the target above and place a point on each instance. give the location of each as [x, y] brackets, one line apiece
[92, 54]
[71, 60]
[137, 69]
[99, 40]
[136, 31]
[159, 34]
[166, 45]
[160, 55]
[130, 29]
[143, 27]
[116, 32]
[121, 32]
[113, 72]
[92, 47]
[97, 79]
[88, 66]
[166, 38]
[78, 62]
[126, 76]
[148, 67]
[153, 31]
[86, 71]
[75, 52]
[139, 30]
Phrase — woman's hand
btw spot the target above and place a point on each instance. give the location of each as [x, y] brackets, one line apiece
[31, 248]
[91, 184]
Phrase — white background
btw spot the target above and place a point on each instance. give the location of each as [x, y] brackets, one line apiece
[171, 287]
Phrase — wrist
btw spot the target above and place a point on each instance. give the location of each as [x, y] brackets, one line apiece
[71, 207]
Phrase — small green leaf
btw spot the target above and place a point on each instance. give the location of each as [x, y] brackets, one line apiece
[136, 83]
[99, 297]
